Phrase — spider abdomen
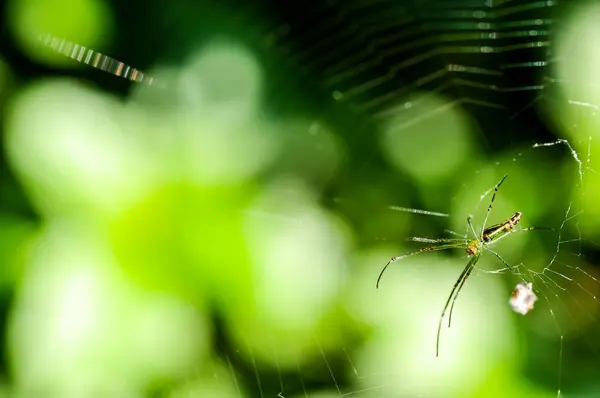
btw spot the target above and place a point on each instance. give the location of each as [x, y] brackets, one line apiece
[496, 231]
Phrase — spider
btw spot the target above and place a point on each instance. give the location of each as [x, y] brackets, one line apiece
[474, 248]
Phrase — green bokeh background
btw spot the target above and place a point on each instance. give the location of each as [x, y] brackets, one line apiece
[221, 236]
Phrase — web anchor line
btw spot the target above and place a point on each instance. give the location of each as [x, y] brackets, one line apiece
[95, 59]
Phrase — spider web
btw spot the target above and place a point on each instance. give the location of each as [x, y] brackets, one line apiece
[565, 322]
[567, 282]
[491, 59]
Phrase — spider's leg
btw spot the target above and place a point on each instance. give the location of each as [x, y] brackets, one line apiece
[430, 240]
[459, 281]
[457, 292]
[444, 246]
[523, 230]
[448, 231]
[492, 203]
[470, 222]
[533, 228]
[499, 258]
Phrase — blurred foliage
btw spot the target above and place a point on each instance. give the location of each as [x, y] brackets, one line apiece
[221, 234]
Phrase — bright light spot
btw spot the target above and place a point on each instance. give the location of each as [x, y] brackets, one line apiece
[429, 139]
[78, 326]
[226, 77]
[577, 62]
[71, 151]
[578, 56]
[299, 257]
[82, 21]
[577, 74]
[222, 135]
